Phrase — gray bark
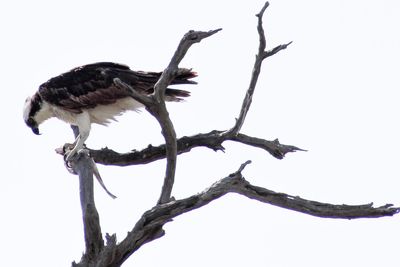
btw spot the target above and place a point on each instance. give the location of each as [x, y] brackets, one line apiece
[150, 225]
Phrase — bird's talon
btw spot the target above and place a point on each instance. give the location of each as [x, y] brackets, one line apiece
[69, 155]
[68, 164]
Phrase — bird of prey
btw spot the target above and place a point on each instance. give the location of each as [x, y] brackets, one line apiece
[88, 94]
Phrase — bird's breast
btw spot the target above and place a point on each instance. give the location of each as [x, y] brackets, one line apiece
[100, 114]
[64, 115]
[104, 114]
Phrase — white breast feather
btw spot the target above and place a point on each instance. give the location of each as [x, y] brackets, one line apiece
[101, 114]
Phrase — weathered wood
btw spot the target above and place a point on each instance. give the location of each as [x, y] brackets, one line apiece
[150, 225]
[213, 140]
[82, 165]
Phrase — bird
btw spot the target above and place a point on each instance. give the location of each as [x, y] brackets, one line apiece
[88, 94]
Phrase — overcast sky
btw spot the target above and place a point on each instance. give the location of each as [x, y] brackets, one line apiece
[334, 92]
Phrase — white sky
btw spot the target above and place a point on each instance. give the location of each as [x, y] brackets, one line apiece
[334, 92]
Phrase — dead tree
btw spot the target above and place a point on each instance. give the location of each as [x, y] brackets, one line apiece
[150, 226]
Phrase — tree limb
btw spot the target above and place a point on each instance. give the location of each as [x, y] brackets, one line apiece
[160, 111]
[190, 38]
[168, 131]
[261, 55]
[236, 183]
[213, 140]
[149, 227]
[83, 167]
[155, 104]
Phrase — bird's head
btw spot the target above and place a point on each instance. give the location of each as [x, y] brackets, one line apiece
[32, 108]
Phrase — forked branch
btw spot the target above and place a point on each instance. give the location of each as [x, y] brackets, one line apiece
[261, 55]
[150, 225]
[155, 104]
[213, 139]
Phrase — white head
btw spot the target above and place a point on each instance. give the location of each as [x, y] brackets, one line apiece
[32, 108]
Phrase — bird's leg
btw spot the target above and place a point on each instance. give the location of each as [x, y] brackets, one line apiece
[83, 124]
[78, 144]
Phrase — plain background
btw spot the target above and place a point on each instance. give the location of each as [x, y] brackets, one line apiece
[334, 92]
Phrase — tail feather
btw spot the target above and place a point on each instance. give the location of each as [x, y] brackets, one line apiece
[176, 95]
[184, 76]
[144, 81]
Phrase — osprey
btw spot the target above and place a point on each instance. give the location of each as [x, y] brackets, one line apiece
[87, 94]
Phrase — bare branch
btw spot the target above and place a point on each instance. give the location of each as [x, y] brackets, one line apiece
[236, 183]
[82, 165]
[168, 131]
[261, 55]
[314, 208]
[156, 106]
[260, 29]
[275, 50]
[212, 140]
[91, 223]
[159, 111]
[170, 72]
[149, 227]
[275, 148]
[98, 177]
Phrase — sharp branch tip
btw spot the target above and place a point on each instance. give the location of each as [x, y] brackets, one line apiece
[244, 166]
[259, 15]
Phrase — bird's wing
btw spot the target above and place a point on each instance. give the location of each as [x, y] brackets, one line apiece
[85, 87]
[91, 85]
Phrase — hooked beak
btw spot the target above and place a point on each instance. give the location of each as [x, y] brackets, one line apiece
[35, 130]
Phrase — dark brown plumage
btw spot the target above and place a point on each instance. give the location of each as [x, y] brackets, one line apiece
[91, 85]
[87, 94]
